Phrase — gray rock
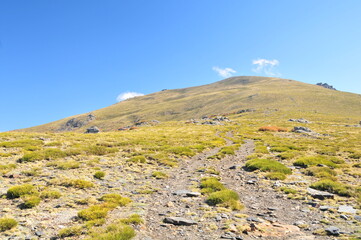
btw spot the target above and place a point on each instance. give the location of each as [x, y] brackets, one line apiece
[344, 216]
[300, 120]
[358, 218]
[179, 221]
[319, 194]
[325, 208]
[254, 219]
[186, 193]
[193, 194]
[346, 209]
[93, 129]
[301, 130]
[333, 230]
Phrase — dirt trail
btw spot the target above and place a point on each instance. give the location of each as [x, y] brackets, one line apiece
[275, 213]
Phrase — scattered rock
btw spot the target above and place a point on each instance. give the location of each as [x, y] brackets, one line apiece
[319, 194]
[77, 122]
[358, 218]
[325, 85]
[186, 193]
[254, 219]
[325, 208]
[93, 129]
[300, 120]
[246, 110]
[301, 130]
[333, 231]
[179, 221]
[346, 209]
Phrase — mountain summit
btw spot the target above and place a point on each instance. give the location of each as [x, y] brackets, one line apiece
[226, 96]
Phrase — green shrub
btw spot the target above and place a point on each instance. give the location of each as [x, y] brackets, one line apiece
[99, 150]
[32, 157]
[71, 164]
[50, 194]
[279, 149]
[182, 151]
[276, 176]
[287, 155]
[20, 190]
[355, 155]
[32, 172]
[211, 184]
[7, 224]
[70, 231]
[222, 197]
[321, 172]
[115, 198]
[77, 183]
[316, 160]
[288, 190]
[7, 168]
[137, 159]
[267, 165]
[21, 143]
[132, 219]
[53, 153]
[30, 201]
[159, 175]
[93, 212]
[99, 174]
[115, 232]
[332, 187]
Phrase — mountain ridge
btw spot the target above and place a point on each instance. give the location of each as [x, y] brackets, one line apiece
[225, 96]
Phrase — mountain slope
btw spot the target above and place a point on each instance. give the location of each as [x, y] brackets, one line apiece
[229, 95]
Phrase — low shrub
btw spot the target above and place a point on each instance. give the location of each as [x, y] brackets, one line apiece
[272, 129]
[222, 197]
[21, 143]
[115, 232]
[93, 212]
[5, 168]
[267, 165]
[137, 159]
[321, 172]
[211, 184]
[287, 155]
[132, 219]
[77, 183]
[20, 190]
[99, 174]
[288, 190]
[332, 187]
[159, 175]
[70, 231]
[316, 160]
[30, 201]
[99, 150]
[50, 194]
[116, 198]
[7, 224]
[276, 176]
[181, 151]
[355, 156]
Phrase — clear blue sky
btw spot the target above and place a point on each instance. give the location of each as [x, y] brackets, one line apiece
[63, 57]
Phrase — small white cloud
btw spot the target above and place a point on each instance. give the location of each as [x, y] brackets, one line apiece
[225, 72]
[267, 67]
[127, 95]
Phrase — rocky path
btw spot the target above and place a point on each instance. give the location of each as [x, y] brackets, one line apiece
[270, 212]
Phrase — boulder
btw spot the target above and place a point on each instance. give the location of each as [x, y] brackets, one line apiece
[319, 194]
[300, 120]
[93, 129]
[346, 209]
[301, 130]
[335, 231]
[179, 221]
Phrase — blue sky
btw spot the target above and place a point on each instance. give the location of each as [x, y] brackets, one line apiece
[61, 58]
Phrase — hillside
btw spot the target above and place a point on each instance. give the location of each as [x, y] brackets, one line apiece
[226, 96]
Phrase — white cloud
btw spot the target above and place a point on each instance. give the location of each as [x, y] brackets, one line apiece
[225, 72]
[127, 95]
[267, 67]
